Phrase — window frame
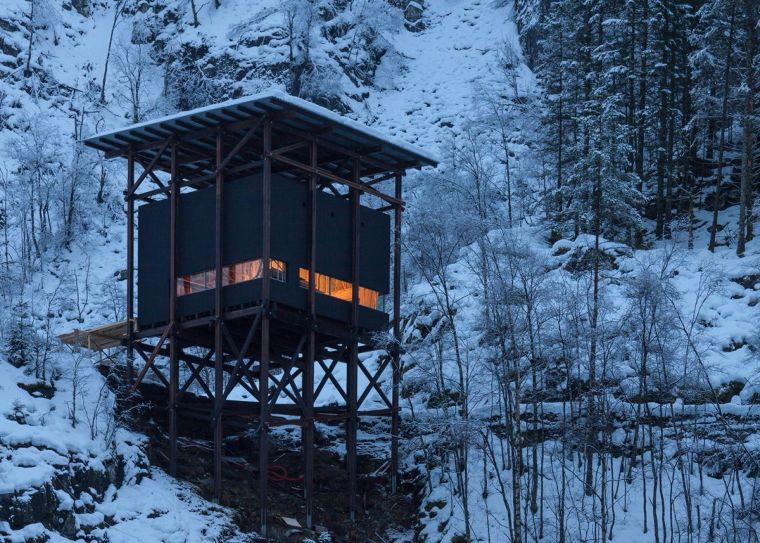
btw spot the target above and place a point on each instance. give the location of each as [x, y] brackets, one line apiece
[329, 281]
[185, 285]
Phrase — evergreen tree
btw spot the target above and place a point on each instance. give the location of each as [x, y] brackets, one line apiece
[18, 345]
[586, 104]
[558, 71]
[714, 60]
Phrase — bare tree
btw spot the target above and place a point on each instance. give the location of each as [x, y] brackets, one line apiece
[133, 63]
[78, 377]
[114, 298]
[44, 342]
[39, 165]
[82, 291]
[41, 15]
[118, 8]
[434, 246]
[300, 19]
[100, 413]
[194, 8]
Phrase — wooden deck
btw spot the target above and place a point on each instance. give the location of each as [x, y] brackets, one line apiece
[102, 337]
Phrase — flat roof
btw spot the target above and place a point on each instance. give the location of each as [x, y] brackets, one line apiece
[291, 114]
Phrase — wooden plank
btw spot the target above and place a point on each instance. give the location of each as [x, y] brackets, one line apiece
[99, 338]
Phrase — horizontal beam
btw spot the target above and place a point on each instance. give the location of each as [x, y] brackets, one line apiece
[288, 148]
[329, 175]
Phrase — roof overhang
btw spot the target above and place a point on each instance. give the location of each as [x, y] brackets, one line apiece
[290, 116]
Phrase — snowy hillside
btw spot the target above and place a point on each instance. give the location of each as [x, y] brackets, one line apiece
[580, 281]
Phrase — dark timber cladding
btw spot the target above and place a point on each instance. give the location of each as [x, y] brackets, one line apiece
[242, 243]
[263, 252]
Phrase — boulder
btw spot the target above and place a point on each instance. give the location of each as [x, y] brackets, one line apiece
[413, 11]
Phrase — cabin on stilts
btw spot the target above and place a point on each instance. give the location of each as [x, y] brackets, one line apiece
[264, 237]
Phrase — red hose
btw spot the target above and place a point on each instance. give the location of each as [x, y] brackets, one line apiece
[278, 474]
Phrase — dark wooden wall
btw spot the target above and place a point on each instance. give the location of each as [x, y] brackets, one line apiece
[243, 239]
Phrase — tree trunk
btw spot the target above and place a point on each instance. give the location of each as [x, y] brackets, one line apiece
[642, 95]
[194, 9]
[723, 122]
[591, 424]
[28, 67]
[662, 131]
[748, 140]
[117, 11]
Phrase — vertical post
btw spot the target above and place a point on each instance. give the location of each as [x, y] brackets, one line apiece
[307, 379]
[130, 265]
[266, 214]
[396, 353]
[173, 347]
[353, 358]
[218, 312]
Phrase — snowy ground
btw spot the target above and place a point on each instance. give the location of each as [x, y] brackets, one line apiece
[39, 446]
[726, 336]
[446, 66]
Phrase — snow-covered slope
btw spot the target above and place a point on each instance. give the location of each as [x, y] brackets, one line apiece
[423, 82]
[63, 479]
[446, 66]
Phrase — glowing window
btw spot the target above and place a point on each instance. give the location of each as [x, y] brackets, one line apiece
[368, 297]
[321, 281]
[236, 273]
[245, 271]
[276, 270]
[343, 290]
[337, 288]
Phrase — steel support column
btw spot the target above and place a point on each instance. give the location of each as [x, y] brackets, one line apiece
[307, 379]
[396, 351]
[353, 358]
[218, 322]
[173, 347]
[130, 266]
[266, 242]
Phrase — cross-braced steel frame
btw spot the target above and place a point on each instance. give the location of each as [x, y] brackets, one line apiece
[268, 350]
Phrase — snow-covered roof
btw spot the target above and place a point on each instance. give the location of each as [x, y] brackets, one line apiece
[303, 116]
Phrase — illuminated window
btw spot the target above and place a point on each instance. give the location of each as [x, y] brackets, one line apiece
[337, 288]
[321, 281]
[195, 282]
[245, 271]
[303, 277]
[236, 273]
[343, 290]
[277, 270]
[369, 297]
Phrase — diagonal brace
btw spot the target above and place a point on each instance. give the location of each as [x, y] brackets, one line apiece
[373, 382]
[149, 361]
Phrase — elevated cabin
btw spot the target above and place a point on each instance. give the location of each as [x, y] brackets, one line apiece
[225, 143]
[263, 252]
[241, 250]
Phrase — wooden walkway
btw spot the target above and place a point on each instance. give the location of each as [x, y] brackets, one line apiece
[100, 338]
